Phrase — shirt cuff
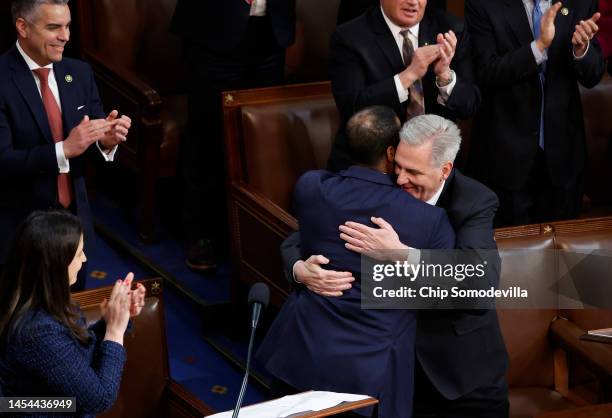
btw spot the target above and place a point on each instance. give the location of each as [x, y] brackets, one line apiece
[62, 162]
[583, 55]
[414, 256]
[447, 90]
[402, 92]
[108, 156]
[293, 270]
[540, 57]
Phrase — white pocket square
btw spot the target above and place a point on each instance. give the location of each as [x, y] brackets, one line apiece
[80, 107]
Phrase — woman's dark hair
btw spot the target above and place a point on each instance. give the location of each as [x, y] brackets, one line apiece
[35, 275]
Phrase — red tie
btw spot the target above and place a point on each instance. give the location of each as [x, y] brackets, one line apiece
[64, 189]
[249, 2]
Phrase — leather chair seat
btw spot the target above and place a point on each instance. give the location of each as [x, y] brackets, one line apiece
[529, 402]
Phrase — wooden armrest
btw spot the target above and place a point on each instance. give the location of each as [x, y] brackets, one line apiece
[93, 297]
[596, 356]
[270, 211]
[178, 402]
[124, 79]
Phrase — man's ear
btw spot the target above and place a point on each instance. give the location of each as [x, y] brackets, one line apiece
[447, 167]
[21, 26]
[390, 154]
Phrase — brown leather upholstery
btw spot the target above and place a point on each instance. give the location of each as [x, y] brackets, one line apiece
[533, 375]
[274, 135]
[292, 137]
[146, 388]
[529, 402]
[596, 103]
[140, 71]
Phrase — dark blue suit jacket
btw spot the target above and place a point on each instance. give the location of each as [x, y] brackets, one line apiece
[28, 164]
[331, 343]
[482, 359]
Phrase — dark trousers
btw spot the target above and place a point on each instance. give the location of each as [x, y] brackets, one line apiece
[539, 200]
[485, 402]
[257, 62]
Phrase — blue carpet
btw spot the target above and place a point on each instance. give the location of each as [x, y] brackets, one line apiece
[193, 362]
[165, 252]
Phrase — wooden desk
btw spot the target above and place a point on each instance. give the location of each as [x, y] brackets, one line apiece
[336, 410]
[594, 411]
[342, 408]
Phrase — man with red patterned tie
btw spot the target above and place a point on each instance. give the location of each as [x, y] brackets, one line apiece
[50, 117]
[228, 45]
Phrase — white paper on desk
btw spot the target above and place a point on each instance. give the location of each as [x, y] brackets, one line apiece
[294, 404]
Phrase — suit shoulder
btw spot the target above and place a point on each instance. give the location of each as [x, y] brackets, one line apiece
[471, 190]
[310, 178]
[355, 28]
[76, 65]
[404, 199]
[37, 324]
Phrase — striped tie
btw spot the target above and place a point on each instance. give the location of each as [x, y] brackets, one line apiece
[416, 104]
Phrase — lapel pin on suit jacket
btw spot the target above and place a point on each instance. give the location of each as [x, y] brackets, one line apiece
[565, 11]
[68, 78]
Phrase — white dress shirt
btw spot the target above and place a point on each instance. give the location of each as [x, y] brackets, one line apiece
[258, 8]
[63, 164]
[402, 93]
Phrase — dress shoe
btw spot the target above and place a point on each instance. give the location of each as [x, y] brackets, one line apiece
[201, 256]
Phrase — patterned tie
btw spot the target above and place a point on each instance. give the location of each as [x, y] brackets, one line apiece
[537, 19]
[54, 115]
[416, 104]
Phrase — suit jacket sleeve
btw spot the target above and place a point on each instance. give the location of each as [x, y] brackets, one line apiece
[493, 68]
[443, 235]
[30, 161]
[95, 104]
[590, 68]
[291, 254]
[50, 352]
[349, 82]
[96, 110]
[476, 238]
[465, 98]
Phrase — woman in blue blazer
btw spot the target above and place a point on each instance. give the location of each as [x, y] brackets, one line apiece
[46, 348]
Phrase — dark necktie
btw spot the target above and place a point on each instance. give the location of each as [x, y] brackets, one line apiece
[54, 115]
[416, 104]
[537, 20]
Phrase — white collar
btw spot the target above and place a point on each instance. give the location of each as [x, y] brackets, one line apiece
[395, 30]
[32, 65]
[434, 199]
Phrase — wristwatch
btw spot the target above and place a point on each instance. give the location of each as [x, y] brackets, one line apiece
[444, 83]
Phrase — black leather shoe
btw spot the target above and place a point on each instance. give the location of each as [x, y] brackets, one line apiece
[201, 256]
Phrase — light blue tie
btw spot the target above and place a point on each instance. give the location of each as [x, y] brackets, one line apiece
[537, 18]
